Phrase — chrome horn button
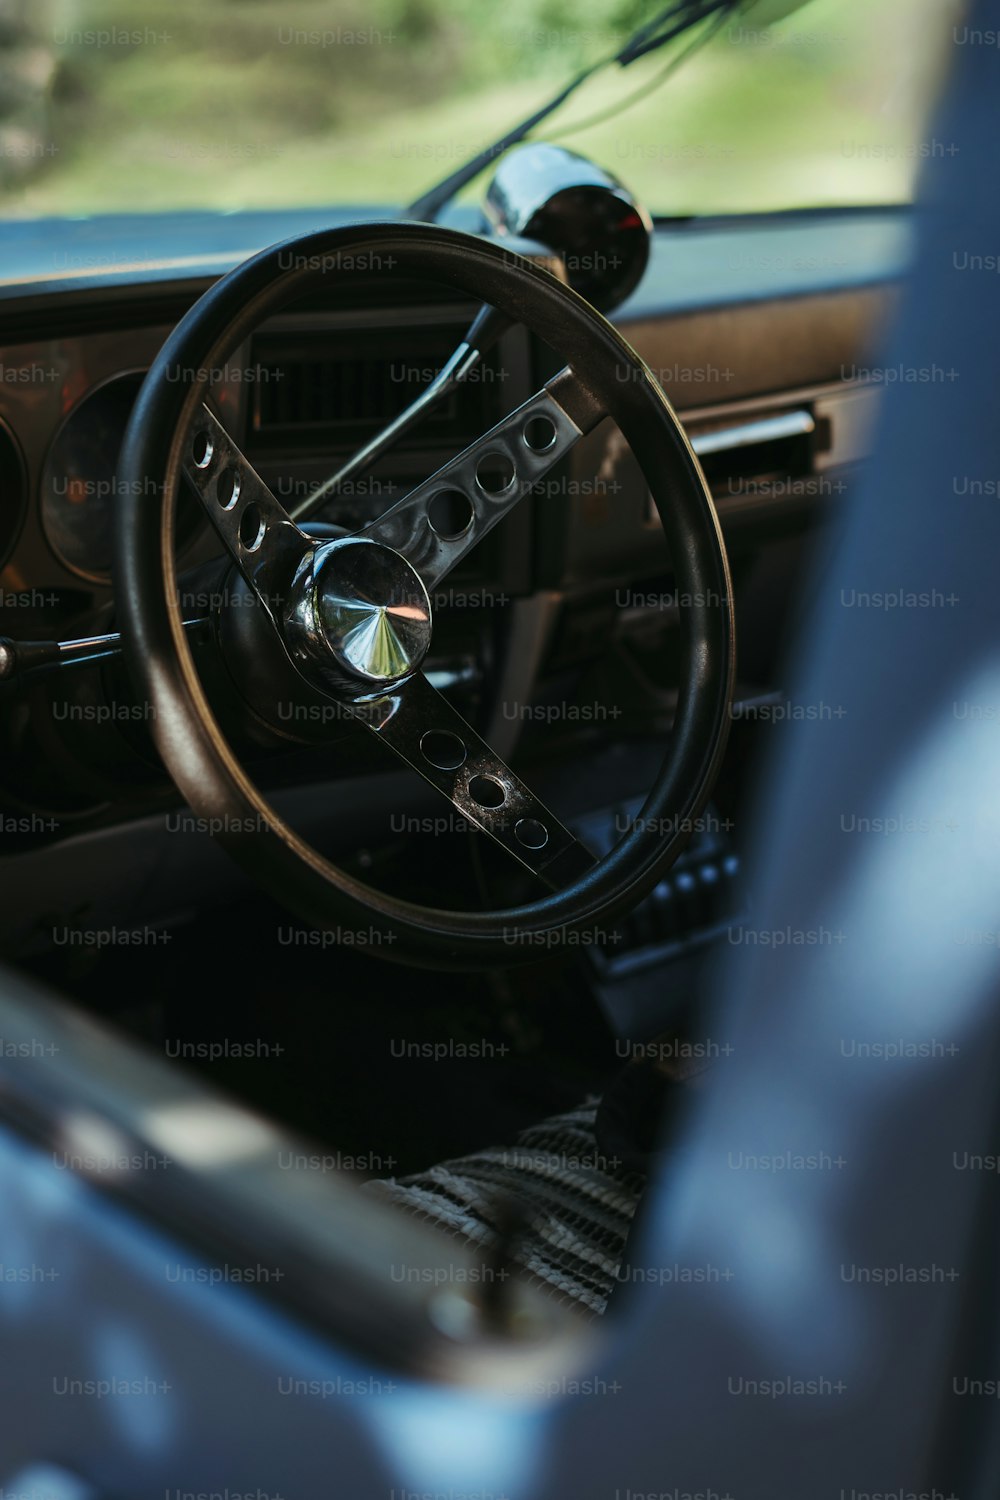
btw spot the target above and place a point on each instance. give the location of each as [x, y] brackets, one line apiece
[371, 611]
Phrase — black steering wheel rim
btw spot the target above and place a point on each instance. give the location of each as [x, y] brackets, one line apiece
[202, 764]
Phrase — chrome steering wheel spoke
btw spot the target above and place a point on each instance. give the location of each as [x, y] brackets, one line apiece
[262, 540]
[355, 618]
[431, 736]
[354, 614]
[437, 523]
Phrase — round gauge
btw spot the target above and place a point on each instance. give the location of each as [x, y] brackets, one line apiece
[80, 488]
[12, 492]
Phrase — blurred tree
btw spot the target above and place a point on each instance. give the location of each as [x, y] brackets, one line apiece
[27, 70]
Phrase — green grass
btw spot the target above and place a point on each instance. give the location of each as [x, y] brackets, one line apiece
[226, 115]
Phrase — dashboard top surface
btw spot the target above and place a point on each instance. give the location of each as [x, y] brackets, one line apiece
[695, 263]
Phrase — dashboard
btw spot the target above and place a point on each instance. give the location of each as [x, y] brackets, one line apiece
[768, 378]
[758, 332]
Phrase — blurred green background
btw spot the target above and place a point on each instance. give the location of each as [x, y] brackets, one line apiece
[114, 105]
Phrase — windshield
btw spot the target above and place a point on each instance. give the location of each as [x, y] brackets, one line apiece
[110, 107]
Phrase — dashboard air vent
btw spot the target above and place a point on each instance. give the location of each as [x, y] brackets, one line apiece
[334, 390]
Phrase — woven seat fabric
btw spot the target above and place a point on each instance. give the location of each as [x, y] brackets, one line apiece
[579, 1206]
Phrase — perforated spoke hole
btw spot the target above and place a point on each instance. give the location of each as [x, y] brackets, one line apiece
[495, 473]
[487, 792]
[450, 515]
[251, 528]
[539, 434]
[531, 834]
[227, 489]
[442, 749]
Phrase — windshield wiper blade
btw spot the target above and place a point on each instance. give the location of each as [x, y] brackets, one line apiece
[669, 23]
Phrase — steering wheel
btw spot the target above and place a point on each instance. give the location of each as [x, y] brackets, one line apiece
[353, 614]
